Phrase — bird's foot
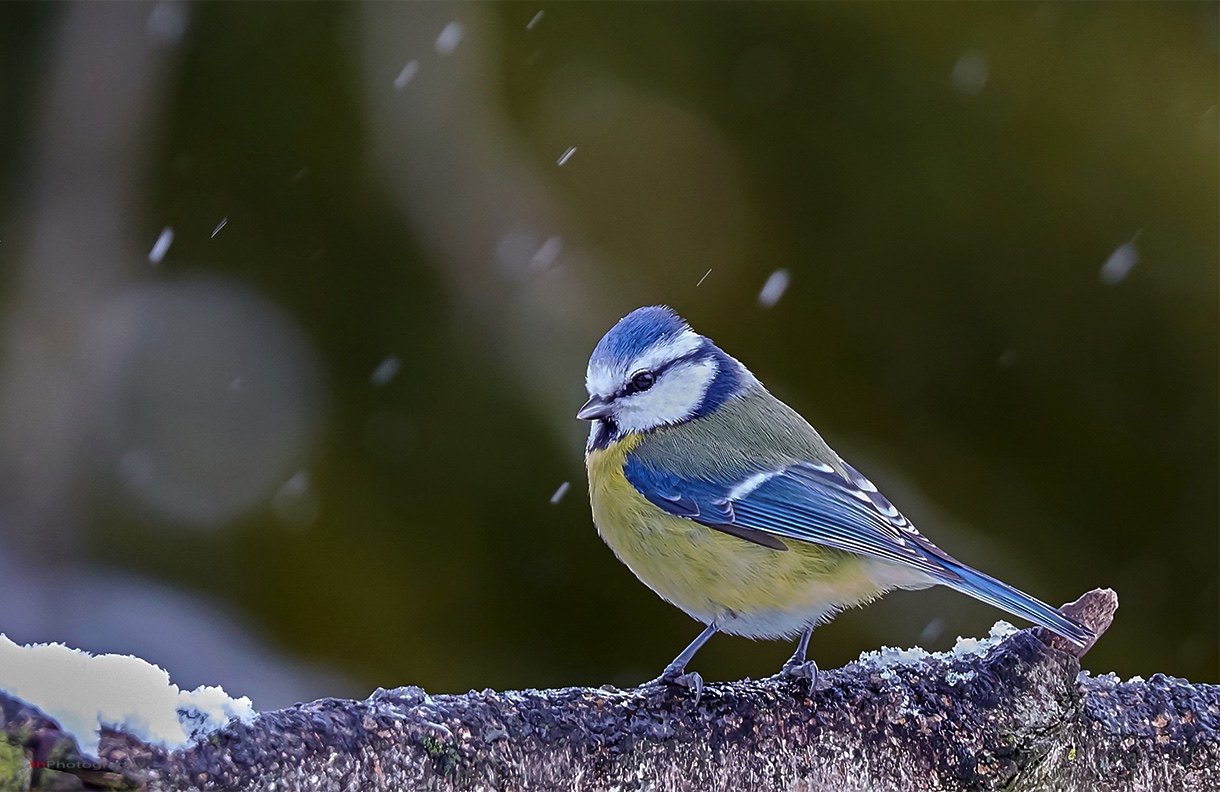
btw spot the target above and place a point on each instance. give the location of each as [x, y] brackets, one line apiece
[681, 678]
[800, 669]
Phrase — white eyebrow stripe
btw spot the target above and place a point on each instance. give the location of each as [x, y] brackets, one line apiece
[749, 485]
[686, 342]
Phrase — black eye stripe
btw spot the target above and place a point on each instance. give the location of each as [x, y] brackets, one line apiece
[630, 387]
[633, 387]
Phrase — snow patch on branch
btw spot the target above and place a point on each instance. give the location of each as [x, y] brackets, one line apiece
[85, 692]
[888, 656]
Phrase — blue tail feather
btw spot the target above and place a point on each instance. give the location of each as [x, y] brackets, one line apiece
[1005, 597]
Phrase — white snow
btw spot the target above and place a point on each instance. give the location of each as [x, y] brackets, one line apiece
[84, 692]
[953, 677]
[774, 288]
[405, 76]
[933, 630]
[567, 155]
[892, 655]
[295, 503]
[559, 493]
[161, 246]
[167, 23]
[547, 254]
[385, 372]
[1120, 263]
[889, 656]
[970, 73]
[450, 37]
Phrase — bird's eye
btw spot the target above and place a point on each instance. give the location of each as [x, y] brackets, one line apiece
[643, 381]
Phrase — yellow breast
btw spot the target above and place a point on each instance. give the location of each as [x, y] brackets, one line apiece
[743, 587]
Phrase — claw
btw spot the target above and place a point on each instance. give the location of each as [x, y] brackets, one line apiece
[680, 677]
[801, 670]
[675, 674]
[692, 682]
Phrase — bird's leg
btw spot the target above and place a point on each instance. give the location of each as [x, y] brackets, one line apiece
[797, 666]
[676, 674]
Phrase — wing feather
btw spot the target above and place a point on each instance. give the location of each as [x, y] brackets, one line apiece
[812, 502]
[804, 501]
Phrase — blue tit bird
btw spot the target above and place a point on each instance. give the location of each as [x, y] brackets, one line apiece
[729, 505]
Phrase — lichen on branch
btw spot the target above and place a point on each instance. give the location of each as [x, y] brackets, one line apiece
[1015, 713]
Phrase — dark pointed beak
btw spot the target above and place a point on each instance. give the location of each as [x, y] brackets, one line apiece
[596, 407]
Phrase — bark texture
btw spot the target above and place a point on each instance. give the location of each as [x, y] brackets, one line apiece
[1018, 716]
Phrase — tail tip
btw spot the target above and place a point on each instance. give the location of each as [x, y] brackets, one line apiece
[1089, 616]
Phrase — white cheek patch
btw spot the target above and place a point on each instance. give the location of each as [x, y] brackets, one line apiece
[674, 398]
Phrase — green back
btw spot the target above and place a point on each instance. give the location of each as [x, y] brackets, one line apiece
[750, 433]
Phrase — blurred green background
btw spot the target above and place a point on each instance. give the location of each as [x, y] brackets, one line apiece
[335, 424]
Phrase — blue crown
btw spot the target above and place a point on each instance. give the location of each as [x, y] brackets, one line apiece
[638, 331]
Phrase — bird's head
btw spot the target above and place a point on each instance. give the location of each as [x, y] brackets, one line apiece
[653, 370]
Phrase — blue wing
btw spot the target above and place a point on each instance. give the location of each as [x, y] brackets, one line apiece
[811, 502]
[805, 501]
